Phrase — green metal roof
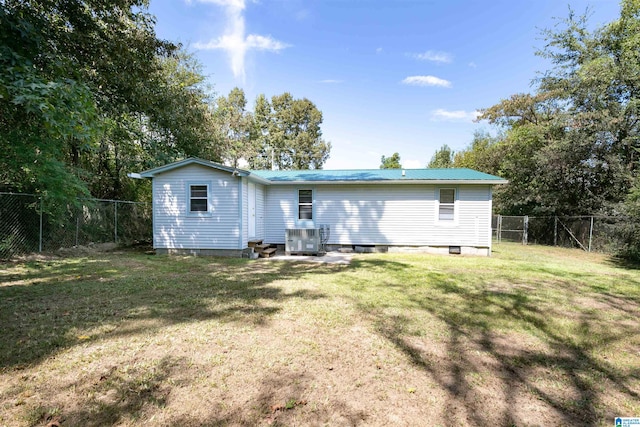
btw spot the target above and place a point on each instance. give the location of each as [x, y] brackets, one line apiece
[462, 176]
[377, 175]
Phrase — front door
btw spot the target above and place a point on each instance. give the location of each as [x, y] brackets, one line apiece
[252, 210]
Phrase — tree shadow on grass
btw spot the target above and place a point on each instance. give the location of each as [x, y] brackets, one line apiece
[52, 305]
[517, 339]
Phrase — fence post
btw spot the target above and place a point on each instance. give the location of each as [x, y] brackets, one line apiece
[77, 226]
[555, 230]
[115, 221]
[40, 237]
[499, 228]
[525, 236]
[590, 233]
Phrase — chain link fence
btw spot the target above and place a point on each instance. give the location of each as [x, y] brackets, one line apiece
[588, 232]
[25, 228]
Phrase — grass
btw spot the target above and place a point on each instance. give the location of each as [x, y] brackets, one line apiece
[531, 336]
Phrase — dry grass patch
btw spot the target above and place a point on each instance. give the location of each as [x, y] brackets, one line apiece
[531, 336]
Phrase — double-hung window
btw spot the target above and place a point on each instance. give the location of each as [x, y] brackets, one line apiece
[198, 198]
[305, 205]
[447, 204]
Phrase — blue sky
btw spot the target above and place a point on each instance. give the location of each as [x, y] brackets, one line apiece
[389, 76]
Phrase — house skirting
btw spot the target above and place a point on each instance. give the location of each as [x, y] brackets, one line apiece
[244, 253]
[442, 250]
[229, 253]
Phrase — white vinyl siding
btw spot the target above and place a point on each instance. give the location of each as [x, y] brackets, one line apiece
[244, 208]
[175, 227]
[260, 195]
[394, 214]
[280, 212]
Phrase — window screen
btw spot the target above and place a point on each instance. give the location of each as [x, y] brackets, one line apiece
[305, 204]
[446, 209]
[198, 198]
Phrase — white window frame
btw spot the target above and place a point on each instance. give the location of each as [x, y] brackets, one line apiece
[190, 198]
[305, 221]
[454, 205]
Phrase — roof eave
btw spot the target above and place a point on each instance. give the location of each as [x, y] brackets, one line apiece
[259, 179]
[192, 160]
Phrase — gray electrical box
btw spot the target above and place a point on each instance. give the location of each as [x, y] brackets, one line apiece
[302, 241]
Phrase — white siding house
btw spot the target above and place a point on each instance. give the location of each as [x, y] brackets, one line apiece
[204, 207]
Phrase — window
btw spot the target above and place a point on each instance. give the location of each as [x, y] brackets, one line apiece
[305, 204]
[198, 198]
[446, 207]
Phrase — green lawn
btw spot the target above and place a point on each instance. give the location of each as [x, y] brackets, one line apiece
[531, 336]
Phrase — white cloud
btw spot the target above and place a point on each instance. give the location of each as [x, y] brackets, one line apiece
[472, 64]
[234, 41]
[411, 164]
[457, 115]
[331, 81]
[433, 56]
[379, 50]
[426, 81]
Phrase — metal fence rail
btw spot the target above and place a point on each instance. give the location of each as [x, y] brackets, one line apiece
[25, 228]
[587, 232]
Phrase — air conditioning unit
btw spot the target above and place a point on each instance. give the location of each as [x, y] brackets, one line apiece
[302, 241]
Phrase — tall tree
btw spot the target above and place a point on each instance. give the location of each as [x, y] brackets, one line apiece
[571, 147]
[443, 158]
[483, 154]
[236, 126]
[87, 89]
[392, 162]
[289, 133]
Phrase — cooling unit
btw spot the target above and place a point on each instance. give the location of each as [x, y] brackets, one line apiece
[302, 241]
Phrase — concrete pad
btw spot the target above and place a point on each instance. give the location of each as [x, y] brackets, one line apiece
[328, 258]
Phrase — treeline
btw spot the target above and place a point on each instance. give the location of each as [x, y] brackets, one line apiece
[572, 146]
[88, 93]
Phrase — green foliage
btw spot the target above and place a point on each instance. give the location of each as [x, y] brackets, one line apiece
[570, 147]
[236, 126]
[482, 154]
[287, 134]
[87, 92]
[443, 158]
[392, 162]
[627, 233]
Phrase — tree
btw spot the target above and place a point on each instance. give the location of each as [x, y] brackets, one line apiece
[571, 146]
[392, 162]
[443, 158]
[289, 134]
[236, 126]
[483, 154]
[88, 90]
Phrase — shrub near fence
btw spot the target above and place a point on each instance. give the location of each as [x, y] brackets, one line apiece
[25, 229]
[589, 232]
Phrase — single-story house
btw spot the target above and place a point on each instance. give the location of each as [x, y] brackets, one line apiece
[202, 207]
